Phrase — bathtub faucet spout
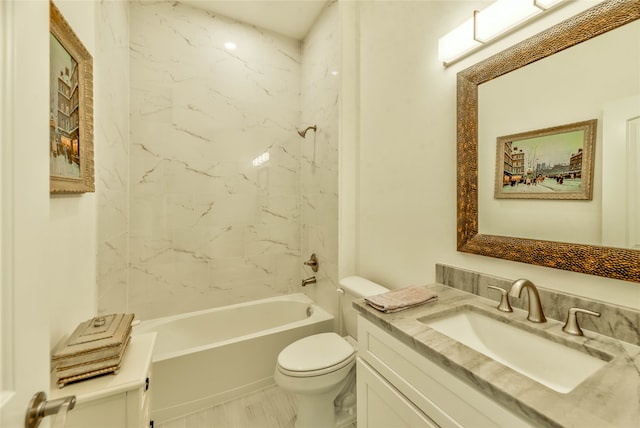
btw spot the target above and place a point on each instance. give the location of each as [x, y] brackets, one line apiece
[310, 280]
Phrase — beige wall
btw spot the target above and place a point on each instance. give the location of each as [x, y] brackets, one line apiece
[404, 204]
[70, 262]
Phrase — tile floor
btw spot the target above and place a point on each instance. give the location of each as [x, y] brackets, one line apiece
[268, 408]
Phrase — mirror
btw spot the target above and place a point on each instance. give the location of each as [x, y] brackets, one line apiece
[562, 89]
[618, 263]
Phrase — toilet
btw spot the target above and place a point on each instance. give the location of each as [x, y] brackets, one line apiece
[319, 370]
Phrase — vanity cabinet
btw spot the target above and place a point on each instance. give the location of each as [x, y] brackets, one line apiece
[115, 401]
[380, 405]
[397, 386]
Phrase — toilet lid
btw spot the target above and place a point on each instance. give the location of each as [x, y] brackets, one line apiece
[315, 352]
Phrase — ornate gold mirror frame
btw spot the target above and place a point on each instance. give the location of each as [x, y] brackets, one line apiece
[618, 263]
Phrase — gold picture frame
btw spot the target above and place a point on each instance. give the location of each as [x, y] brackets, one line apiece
[551, 163]
[70, 109]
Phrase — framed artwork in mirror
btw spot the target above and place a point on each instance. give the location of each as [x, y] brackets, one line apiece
[551, 163]
[71, 163]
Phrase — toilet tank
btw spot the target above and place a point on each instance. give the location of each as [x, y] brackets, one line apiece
[355, 287]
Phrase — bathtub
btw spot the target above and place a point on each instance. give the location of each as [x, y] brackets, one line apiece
[207, 357]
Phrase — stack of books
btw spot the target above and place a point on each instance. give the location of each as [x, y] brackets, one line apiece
[96, 347]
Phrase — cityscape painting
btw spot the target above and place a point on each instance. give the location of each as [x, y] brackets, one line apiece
[64, 139]
[551, 163]
[71, 165]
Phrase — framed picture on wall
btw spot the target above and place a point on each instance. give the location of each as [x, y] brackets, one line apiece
[551, 163]
[70, 109]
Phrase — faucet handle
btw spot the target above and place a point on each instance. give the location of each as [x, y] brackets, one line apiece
[313, 262]
[504, 305]
[571, 326]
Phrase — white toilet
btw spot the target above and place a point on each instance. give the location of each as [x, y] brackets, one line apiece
[320, 369]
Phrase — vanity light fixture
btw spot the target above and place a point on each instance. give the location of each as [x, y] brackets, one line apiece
[488, 24]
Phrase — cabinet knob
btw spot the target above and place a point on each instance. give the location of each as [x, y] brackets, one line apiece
[146, 384]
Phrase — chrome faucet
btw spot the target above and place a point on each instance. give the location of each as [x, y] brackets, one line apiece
[310, 280]
[535, 308]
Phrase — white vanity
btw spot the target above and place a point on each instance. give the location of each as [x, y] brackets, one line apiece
[110, 401]
[412, 374]
[397, 386]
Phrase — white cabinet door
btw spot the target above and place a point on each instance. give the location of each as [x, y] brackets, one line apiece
[443, 397]
[380, 405]
[105, 413]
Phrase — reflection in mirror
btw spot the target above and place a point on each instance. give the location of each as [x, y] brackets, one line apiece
[621, 173]
[482, 118]
[563, 88]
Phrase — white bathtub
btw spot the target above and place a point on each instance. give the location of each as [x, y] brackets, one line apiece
[208, 357]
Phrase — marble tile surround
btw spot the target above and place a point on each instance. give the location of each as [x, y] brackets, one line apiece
[111, 83]
[615, 321]
[218, 261]
[319, 155]
[207, 228]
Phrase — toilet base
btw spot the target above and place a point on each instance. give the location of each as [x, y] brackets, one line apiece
[333, 408]
[345, 404]
[346, 419]
[311, 415]
[315, 411]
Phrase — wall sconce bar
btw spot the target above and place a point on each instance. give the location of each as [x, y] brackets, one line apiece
[487, 25]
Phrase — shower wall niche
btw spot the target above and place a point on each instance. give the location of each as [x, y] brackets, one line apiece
[208, 225]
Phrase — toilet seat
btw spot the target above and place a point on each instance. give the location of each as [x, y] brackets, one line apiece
[320, 372]
[315, 355]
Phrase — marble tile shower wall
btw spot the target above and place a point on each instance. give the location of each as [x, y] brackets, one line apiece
[111, 65]
[320, 89]
[207, 228]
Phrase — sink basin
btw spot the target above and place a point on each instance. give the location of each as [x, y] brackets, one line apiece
[552, 364]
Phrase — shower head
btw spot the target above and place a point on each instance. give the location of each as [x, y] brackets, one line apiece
[304, 133]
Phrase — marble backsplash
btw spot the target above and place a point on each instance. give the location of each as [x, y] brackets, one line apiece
[615, 321]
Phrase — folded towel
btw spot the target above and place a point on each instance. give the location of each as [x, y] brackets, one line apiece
[398, 300]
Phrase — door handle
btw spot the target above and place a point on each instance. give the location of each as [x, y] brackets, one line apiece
[40, 408]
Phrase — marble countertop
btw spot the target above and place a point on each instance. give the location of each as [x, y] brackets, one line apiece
[610, 397]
